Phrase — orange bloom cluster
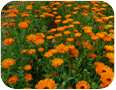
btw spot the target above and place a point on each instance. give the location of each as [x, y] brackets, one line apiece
[46, 84]
[27, 67]
[82, 85]
[9, 41]
[105, 72]
[6, 63]
[38, 39]
[57, 62]
[12, 80]
[28, 77]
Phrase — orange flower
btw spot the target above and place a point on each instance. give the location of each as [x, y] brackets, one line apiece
[39, 41]
[65, 21]
[12, 15]
[109, 47]
[31, 37]
[23, 25]
[94, 37]
[110, 56]
[29, 7]
[58, 35]
[24, 15]
[111, 31]
[90, 47]
[57, 62]
[46, 84]
[67, 16]
[49, 37]
[98, 64]
[48, 54]
[107, 78]
[60, 28]
[32, 51]
[40, 35]
[53, 30]
[100, 69]
[70, 47]
[27, 67]
[107, 39]
[42, 16]
[4, 24]
[40, 49]
[12, 80]
[61, 48]
[28, 77]
[82, 85]
[12, 21]
[67, 32]
[24, 50]
[71, 26]
[6, 63]
[11, 25]
[85, 44]
[53, 51]
[75, 52]
[70, 39]
[54, 8]
[76, 22]
[58, 17]
[57, 21]
[8, 41]
[74, 70]
[77, 35]
[85, 6]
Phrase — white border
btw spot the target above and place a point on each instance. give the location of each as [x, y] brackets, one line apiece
[112, 3]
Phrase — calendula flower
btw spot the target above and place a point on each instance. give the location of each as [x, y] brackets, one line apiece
[32, 51]
[70, 39]
[24, 50]
[67, 32]
[12, 80]
[49, 37]
[29, 7]
[27, 67]
[107, 77]
[28, 77]
[82, 85]
[6, 63]
[9, 41]
[61, 48]
[109, 47]
[57, 62]
[46, 84]
[23, 25]
[40, 35]
[11, 25]
[40, 49]
[48, 54]
[39, 41]
[103, 69]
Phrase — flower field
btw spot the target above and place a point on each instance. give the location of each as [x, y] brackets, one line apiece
[57, 44]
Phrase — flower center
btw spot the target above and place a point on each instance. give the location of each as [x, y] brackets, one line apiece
[103, 70]
[108, 79]
[82, 87]
[46, 87]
